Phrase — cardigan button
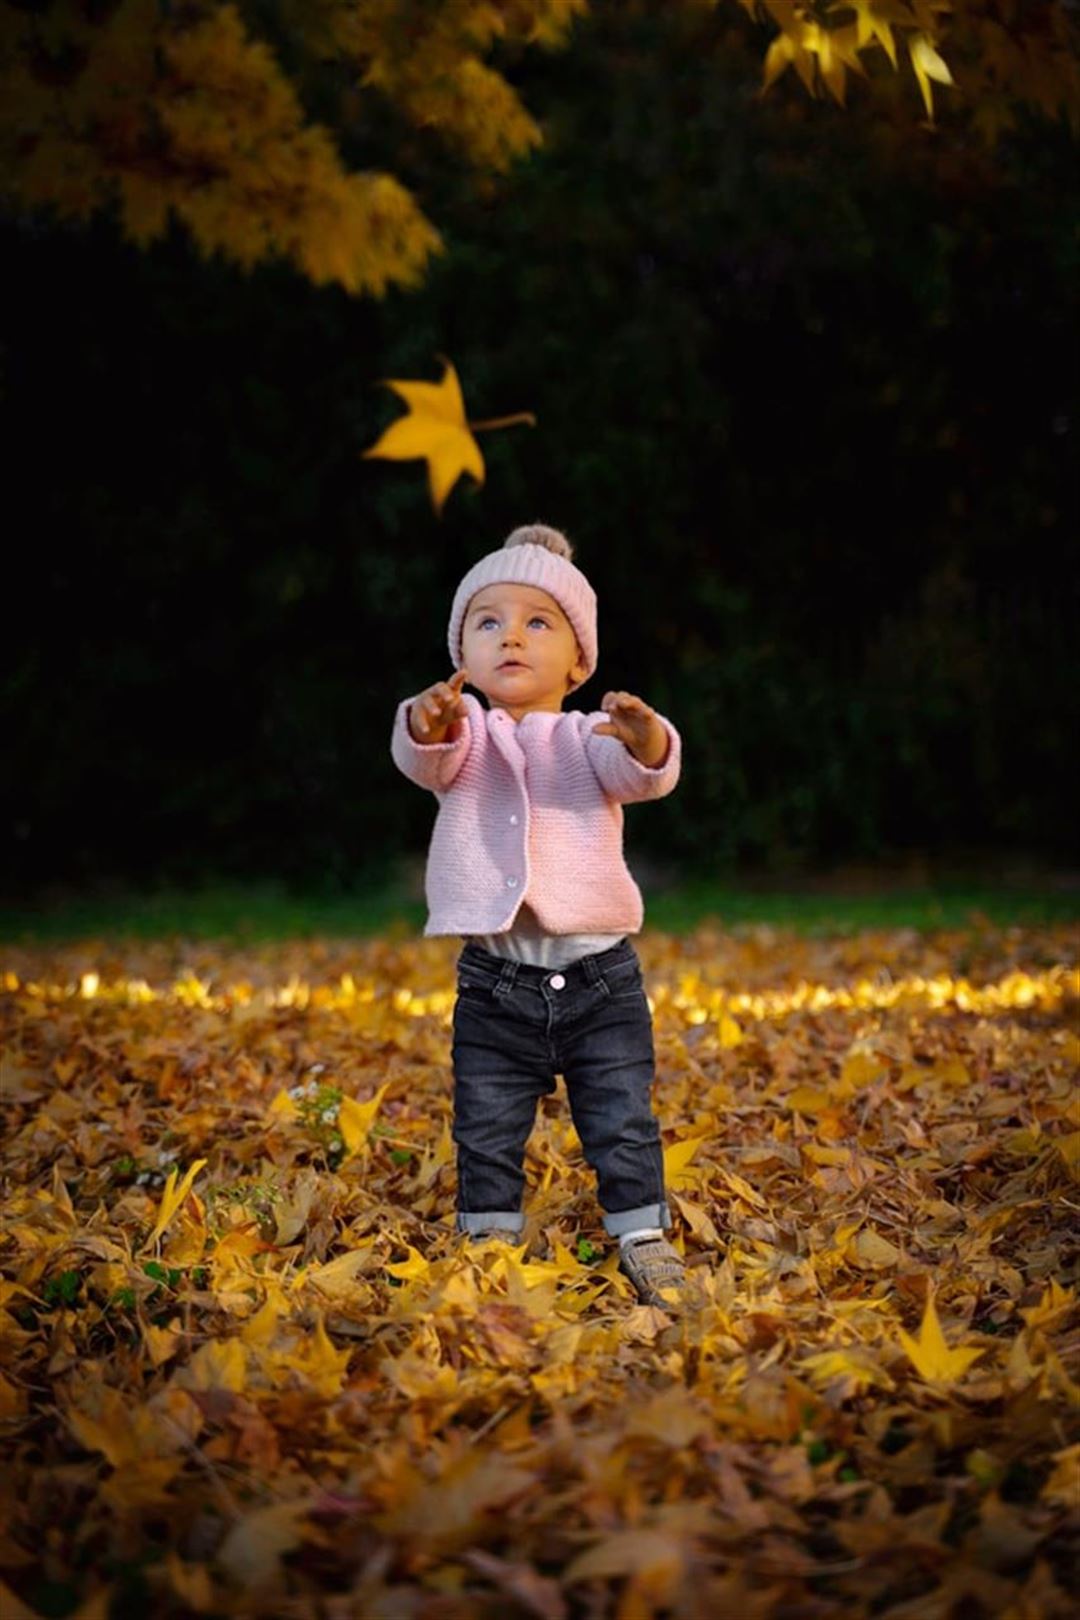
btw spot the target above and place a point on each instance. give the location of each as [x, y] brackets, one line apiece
[511, 883]
[513, 821]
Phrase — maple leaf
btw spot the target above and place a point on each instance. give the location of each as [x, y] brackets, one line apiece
[931, 1355]
[873, 22]
[928, 64]
[436, 430]
[356, 1119]
[171, 1199]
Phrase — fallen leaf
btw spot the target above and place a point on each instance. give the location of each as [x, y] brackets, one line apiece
[931, 1356]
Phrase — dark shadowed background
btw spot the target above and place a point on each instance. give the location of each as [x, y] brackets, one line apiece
[805, 387]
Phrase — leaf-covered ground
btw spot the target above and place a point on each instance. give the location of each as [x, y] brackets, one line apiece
[250, 1369]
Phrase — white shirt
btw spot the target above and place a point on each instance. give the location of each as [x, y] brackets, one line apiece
[526, 941]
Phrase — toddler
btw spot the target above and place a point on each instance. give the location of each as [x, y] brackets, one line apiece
[526, 865]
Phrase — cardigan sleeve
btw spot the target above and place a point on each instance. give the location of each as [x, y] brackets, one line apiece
[623, 777]
[429, 765]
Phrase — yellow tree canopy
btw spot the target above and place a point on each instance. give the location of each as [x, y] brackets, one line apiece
[997, 54]
[195, 112]
[187, 110]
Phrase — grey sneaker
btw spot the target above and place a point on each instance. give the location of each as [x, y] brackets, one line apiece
[656, 1271]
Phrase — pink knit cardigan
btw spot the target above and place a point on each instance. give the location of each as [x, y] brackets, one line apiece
[530, 808]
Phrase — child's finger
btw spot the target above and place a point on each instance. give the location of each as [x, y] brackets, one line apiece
[620, 700]
[460, 676]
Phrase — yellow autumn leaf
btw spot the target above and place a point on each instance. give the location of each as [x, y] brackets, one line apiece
[1054, 1305]
[855, 1366]
[1063, 1486]
[414, 1266]
[356, 1119]
[1069, 1148]
[861, 1065]
[436, 430]
[729, 1032]
[337, 1277]
[172, 1198]
[109, 1431]
[676, 1159]
[871, 1251]
[931, 1356]
[928, 64]
[808, 1100]
[871, 25]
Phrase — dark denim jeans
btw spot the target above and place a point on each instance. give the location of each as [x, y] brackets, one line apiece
[515, 1028]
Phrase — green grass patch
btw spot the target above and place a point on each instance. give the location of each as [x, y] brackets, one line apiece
[265, 912]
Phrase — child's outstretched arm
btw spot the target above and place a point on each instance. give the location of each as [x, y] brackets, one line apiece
[431, 733]
[647, 766]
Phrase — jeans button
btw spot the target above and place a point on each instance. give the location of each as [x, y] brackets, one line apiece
[556, 981]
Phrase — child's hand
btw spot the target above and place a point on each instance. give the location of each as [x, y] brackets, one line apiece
[636, 725]
[433, 714]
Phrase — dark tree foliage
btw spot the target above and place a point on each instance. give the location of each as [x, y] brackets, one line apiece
[805, 383]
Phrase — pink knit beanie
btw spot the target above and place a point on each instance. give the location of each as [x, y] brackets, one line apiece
[533, 555]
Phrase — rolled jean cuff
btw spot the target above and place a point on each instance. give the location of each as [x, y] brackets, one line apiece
[487, 1220]
[628, 1220]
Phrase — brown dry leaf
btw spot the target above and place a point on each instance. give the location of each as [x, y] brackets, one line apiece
[865, 1136]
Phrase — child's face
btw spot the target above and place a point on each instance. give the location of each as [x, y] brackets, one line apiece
[519, 648]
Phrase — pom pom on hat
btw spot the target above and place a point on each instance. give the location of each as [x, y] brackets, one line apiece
[538, 534]
[532, 555]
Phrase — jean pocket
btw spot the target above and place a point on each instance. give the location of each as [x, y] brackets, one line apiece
[624, 982]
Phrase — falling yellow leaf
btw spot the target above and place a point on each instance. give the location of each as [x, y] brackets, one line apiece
[931, 1356]
[171, 1199]
[436, 430]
